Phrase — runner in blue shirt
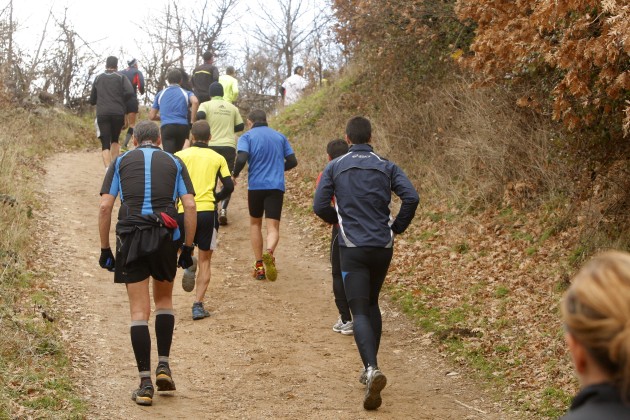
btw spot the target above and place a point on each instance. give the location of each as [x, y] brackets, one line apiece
[268, 155]
[172, 104]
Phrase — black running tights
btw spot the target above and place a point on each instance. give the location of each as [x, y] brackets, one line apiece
[364, 270]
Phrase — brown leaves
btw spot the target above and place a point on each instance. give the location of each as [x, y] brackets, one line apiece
[586, 44]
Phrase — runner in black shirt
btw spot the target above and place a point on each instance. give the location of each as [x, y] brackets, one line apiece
[148, 181]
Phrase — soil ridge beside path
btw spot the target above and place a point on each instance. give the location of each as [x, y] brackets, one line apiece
[267, 351]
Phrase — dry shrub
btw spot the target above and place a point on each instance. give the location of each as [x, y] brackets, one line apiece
[471, 145]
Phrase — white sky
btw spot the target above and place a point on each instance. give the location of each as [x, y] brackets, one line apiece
[109, 26]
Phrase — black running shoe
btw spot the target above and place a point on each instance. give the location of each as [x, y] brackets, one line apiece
[143, 395]
[163, 378]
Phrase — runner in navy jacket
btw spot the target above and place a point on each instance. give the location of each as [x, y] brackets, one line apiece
[361, 183]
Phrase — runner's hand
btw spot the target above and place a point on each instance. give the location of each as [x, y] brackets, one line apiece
[107, 260]
[185, 258]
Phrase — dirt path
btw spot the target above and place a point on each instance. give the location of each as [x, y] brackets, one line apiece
[267, 351]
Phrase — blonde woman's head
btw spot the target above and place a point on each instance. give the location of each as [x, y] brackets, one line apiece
[596, 314]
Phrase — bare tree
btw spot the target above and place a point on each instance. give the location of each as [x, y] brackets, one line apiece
[180, 37]
[285, 31]
[205, 31]
[259, 78]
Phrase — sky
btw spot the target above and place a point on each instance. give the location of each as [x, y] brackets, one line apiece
[108, 26]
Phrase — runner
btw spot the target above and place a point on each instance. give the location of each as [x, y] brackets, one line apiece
[136, 78]
[110, 92]
[268, 155]
[225, 120]
[596, 315]
[293, 87]
[172, 104]
[148, 181]
[205, 166]
[361, 183]
[230, 84]
[335, 149]
[203, 76]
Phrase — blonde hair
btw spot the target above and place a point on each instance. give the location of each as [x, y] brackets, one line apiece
[596, 311]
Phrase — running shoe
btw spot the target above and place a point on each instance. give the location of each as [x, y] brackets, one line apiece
[337, 325]
[143, 395]
[375, 382]
[163, 378]
[259, 271]
[199, 312]
[344, 328]
[223, 217]
[363, 376]
[270, 265]
[188, 281]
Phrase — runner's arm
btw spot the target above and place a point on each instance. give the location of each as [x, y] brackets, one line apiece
[403, 188]
[228, 187]
[153, 114]
[239, 127]
[93, 95]
[241, 160]
[195, 106]
[141, 84]
[105, 218]
[290, 162]
[190, 217]
[323, 196]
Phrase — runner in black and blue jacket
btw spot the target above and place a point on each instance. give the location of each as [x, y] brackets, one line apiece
[361, 183]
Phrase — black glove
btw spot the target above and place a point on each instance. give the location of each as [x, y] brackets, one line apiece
[185, 257]
[107, 260]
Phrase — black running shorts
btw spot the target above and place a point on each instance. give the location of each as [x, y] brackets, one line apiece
[229, 153]
[265, 202]
[132, 105]
[110, 127]
[174, 136]
[161, 265]
[207, 229]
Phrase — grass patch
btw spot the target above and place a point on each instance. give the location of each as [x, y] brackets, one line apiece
[36, 383]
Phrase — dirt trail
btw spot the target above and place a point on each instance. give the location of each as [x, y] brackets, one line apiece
[267, 351]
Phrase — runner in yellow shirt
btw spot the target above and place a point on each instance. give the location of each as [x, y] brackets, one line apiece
[204, 166]
[230, 84]
[225, 121]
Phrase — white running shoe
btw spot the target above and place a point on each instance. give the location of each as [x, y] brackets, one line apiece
[345, 328]
[376, 381]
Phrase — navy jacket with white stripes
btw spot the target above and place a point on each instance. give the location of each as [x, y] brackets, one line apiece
[361, 183]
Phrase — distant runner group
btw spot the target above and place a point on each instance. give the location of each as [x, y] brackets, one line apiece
[175, 186]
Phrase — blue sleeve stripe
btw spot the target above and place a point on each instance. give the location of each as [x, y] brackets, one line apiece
[180, 187]
[116, 187]
[147, 207]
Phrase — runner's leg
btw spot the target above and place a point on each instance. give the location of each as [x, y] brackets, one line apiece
[117, 123]
[338, 290]
[273, 212]
[357, 283]
[140, 308]
[255, 234]
[203, 274]
[164, 317]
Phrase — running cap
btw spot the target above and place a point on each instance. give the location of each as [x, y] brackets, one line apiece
[111, 62]
[216, 89]
[132, 62]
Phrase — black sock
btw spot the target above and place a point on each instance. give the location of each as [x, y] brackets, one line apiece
[141, 343]
[164, 326]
